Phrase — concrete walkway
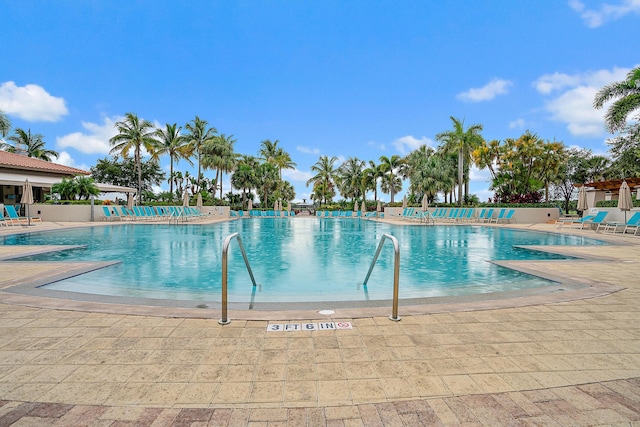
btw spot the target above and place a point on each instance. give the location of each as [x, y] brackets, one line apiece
[568, 361]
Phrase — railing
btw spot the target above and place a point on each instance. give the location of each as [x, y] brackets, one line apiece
[225, 249]
[396, 272]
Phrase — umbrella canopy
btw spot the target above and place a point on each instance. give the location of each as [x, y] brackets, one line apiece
[379, 207]
[27, 193]
[130, 201]
[289, 206]
[27, 197]
[624, 200]
[355, 206]
[404, 202]
[582, 199]
[250, 205]
[185, 198]
[425, 203]
[199, 201]
[363, 207]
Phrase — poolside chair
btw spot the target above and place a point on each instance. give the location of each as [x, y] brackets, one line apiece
[15, 218]
[507, 218]
[632, 222]
[499, 217]
[570, 222]
[597, 221]
[488, 215]
[108, 216]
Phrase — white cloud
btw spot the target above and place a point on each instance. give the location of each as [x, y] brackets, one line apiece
[296, 175]
[517, 124]
[594, 18]
[65, 159]
[307, 150]
[31, 103]
[94, 141]
[487, 92]
[571, 100]
[406, 144]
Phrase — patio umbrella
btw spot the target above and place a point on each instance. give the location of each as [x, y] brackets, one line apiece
[379, 207]
[363, 207]
[582, 199]
[404, 202]
[289, 206]
[27, 197]
[250, 205]
[199, 201]
[185, 198]
[355, 207]
[130, 201]
[425, 203]
[624, 199]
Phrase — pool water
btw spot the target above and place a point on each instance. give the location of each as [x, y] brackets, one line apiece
[295, 260]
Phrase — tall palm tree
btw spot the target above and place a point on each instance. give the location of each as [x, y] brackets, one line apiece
[350, 177]
[175, 145]
[5, 124]
[283, 160]
[325, 174]
[198, 134]
[370, 178]
[218, 154]
[244, 177]
[389, 166]
[268, 150]
[33, 144]
[627, 96]
[134, 134]
[463, 142]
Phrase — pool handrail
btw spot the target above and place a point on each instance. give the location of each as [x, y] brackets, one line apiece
[396, 272]
[225, 249]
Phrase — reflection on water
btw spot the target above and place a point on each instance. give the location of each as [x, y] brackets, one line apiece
[301, 259]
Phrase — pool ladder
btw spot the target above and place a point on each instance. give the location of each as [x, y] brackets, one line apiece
[396, 272]
[225, 249]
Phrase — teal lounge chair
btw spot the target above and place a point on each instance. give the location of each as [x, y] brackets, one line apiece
[15, 219]
[108, 216]
[631, 223]
[598, 220]
[488, 215]
[508, 217]
[499, 217]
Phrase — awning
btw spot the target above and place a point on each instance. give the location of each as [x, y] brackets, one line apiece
[43, 181]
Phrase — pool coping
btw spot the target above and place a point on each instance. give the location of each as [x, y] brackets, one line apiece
[565, 288]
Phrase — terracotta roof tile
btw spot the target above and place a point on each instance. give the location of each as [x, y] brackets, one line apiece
[16, 161]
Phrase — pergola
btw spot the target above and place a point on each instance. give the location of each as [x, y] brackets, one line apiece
[612, 185]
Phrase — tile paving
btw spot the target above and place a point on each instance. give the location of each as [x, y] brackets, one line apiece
[542, 362]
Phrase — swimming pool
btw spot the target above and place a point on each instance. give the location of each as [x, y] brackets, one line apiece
[295, 260]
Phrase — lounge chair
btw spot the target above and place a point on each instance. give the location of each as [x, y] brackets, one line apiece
[571, 222]
[108, 216]
[598, 221]
[15, 218]
[500, 216]
[488, 215]
[508, 217]
[632, 222]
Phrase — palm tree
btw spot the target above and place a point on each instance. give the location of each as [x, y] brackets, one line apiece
[283, 161]
[244, 178]
[350, 177]
[627, 95]
[388, 166]
[268, 150]
[463, 142]
[5, 125]
[33, 144]
[134, 134]
[370, 178]
[325, 174]
[175, 145]
[197, 136]
[218, 154]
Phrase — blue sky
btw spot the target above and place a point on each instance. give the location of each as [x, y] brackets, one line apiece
[336, 78]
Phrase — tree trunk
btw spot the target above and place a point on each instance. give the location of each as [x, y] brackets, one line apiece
[460, 177]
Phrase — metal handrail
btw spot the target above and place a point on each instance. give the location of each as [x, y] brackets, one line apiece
[225, 249]
[396, 272]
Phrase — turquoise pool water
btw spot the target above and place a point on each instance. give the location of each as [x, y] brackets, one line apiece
[302, 259]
